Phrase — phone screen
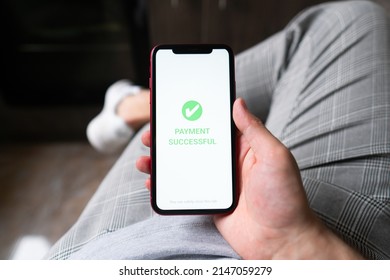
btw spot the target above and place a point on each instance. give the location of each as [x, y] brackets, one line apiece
[193, 147]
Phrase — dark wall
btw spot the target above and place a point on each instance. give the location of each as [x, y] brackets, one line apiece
[59, 56]
[64, 52]
[239, 23]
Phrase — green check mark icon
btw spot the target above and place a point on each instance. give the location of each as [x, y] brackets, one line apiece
[192, 110]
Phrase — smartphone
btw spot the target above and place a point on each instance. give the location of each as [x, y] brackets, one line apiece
[192, 131]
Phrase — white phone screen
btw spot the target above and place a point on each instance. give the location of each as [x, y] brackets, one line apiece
[193, 130]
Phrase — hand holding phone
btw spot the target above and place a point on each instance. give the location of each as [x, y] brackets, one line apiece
[193, 135]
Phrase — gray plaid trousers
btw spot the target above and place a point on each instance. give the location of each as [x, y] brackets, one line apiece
[322, 86]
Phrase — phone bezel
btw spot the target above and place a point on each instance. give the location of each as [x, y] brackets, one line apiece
[190, 49]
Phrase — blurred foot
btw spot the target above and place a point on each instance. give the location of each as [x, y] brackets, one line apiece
[135, 109]
[109, 132]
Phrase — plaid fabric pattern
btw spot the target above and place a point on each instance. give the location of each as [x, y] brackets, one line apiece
[322, 86]
[121, 200]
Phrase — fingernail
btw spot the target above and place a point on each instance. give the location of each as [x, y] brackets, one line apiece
[243, 103]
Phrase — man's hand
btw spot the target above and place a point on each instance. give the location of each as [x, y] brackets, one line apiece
[272, 219]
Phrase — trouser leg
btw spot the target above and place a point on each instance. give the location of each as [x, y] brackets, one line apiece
[120, 200]
[330, 105]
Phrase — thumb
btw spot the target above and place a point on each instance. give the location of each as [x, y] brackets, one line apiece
[253, 130]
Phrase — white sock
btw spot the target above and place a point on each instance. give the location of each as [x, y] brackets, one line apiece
[107, 132]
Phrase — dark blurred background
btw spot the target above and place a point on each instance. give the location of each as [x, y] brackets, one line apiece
[58, 58]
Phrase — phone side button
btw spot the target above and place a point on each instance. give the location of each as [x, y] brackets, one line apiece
[150, 88]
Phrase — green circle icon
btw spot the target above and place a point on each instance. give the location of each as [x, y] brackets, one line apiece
[192, 110]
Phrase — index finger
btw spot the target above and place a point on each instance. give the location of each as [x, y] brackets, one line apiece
[146, 138]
